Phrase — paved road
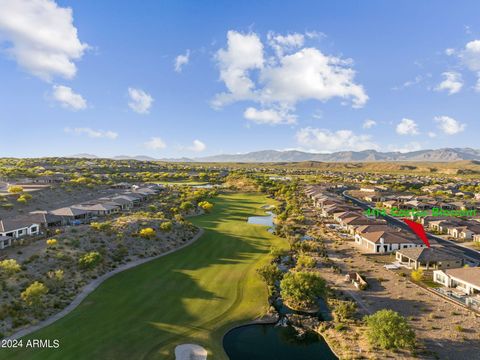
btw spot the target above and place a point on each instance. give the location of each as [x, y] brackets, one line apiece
[470, 254]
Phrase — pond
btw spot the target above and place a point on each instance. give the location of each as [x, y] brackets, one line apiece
[266, 220]
[270, 342]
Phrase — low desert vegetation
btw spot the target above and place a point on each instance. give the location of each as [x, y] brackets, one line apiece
[388, 329]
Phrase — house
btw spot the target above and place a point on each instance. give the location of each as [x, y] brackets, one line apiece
[5, 241]
[465, 279]
[98, 208]
[352, 222]
[71, 215]
[336, 208]
[428, 258]
[476, 237]
[45, 219]
[49, 179]
[18, 227]
[386, 241]
[137, 197]
[361, 229]
[460, 232]
[126, 202]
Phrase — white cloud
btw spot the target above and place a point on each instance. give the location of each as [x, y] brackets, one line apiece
[450, 52]
[409, 147]
[417, 80]
[243, 54]
[140, 101]
[369, 123]
[155, 143]
[477, 84]
[269, 116]
[407, 127]
[68, 98]
[182, 60]
[93, 133]
[41, 37]
[452, 82]
[449, 125]
[290, 76]
[470, 55]
[197, 146]
[431, 134]
[285, 43]
[324, 140]
[309, 74]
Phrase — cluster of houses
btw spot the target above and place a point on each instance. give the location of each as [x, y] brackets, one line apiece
[466, 229]
[32, 223]
[376, 236]
[371, 234]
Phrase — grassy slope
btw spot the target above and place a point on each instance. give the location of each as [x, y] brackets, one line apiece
[193, 295]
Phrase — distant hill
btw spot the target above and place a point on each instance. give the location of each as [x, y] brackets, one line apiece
[289, 156]
[439, 155]
[84, 156]
[137, 157]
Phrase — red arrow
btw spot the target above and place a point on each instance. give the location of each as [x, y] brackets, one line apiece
[418, 229]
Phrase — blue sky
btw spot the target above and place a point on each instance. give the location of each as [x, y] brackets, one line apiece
[100, 77]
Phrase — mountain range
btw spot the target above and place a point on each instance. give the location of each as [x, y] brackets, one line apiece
[436, 155]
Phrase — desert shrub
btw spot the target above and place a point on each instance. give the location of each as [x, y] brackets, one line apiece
[147, 233]
[205, 205]
[9, 266]
[90, 260]
[51, 242]
[166, 226]
[34, 294]
[305, 262]
[417, 275]
[15, 189]
[101, 226]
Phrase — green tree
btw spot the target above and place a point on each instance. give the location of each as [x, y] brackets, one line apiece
[302, 289]
[33, 295]
[388, 329]
[270, 274]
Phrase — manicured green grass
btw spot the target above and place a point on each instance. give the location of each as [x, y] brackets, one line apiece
[193, 295]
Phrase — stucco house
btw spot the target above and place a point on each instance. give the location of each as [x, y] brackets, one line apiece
[428, 258]
[386, 241]
[465, 279]
[18, 227]
[5, 241]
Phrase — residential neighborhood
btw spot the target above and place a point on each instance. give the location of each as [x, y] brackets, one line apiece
[33, 223]
[446, 262]
[239, 180]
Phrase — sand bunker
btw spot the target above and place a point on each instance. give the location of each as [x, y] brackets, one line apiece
[190, 352]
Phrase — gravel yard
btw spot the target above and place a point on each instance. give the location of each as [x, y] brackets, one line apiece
[442, 328]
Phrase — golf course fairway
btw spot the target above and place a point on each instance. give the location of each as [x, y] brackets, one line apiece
[193, 295]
